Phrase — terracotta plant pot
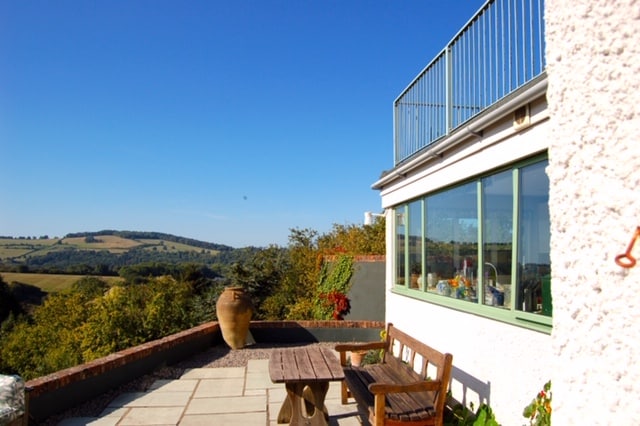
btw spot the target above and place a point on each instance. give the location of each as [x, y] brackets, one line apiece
[356, 358]
[234, 311]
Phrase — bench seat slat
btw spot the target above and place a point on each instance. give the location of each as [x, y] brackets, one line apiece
[406, 406]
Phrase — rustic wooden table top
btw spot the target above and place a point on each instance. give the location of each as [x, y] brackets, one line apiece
[308, 364]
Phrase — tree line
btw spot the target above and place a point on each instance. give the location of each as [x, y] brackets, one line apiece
[102, 262]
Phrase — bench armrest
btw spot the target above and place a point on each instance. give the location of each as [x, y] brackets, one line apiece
[350, 347]
[420, 386]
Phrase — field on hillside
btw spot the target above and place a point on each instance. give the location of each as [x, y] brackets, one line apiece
[111, 243]
[20, 248]
[48, 282]
[15, 248]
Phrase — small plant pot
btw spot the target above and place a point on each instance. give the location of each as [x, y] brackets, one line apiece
[356, 358]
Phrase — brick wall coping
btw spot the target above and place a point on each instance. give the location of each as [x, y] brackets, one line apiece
[102, 365]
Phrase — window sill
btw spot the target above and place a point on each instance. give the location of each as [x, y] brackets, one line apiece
[526, 320]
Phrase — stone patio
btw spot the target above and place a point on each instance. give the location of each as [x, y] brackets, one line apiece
[212, 396]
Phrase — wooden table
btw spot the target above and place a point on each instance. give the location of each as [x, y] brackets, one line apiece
[306, 373]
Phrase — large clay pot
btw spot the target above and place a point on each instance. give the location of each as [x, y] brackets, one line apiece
[234, 310]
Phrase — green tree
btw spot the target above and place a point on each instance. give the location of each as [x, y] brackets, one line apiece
[129, 315]
[8, 303]
[261, 275]
[50, 341]
[354, 239]
[90, 287]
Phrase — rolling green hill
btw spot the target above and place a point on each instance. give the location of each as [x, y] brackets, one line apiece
[105, 252]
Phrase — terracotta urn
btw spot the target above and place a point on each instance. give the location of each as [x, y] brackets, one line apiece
[234, 311]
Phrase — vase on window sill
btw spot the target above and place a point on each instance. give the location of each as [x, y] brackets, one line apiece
[443, 288]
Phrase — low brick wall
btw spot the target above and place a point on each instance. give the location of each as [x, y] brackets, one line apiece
[67, 388]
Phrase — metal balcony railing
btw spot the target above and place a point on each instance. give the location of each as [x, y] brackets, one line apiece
[499, 50]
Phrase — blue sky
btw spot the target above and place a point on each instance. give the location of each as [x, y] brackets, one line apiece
[229, 122]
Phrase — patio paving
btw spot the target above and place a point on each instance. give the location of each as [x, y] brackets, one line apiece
[212, 396]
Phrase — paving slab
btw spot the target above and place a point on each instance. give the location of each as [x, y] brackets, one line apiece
[277, 394]
[114, 412]
[214, 373]
[159, 399]
[90, 421]
[229, 419]
[258, 366]
[219, 405]
[255, 392]
[125, 398]
[183, 385]
[208, 388]
[152, 416]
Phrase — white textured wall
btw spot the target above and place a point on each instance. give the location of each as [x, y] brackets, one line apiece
[593, 55]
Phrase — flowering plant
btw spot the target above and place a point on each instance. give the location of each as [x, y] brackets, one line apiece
[339, 302]
[539, 411]
[459, 280]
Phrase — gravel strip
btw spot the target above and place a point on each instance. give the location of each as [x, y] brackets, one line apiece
[216, 356]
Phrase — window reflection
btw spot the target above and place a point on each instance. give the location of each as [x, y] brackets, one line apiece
[452, 242]
[534, 271]
[497, 234]
[415, 244]
[400, 249]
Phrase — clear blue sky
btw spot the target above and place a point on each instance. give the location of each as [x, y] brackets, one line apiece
[224, 121]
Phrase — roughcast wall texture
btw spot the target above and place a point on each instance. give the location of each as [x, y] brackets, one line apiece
[593, 56]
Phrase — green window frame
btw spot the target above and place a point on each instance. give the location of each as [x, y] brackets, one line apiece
[480, 246]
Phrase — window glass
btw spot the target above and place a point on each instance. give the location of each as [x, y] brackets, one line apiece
[415, 244]
[497, 237]
[400, 246]
[534, 266]
[459, 244]
[452, 242]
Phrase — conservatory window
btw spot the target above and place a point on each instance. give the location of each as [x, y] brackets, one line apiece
[481, 246]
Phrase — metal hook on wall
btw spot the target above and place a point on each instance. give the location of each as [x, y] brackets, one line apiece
[626, 260]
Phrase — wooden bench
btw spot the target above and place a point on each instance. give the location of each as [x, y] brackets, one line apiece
[408, 387]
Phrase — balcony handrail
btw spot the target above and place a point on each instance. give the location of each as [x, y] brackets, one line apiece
[499, 50]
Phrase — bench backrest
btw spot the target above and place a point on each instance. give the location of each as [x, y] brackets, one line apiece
[430, 364]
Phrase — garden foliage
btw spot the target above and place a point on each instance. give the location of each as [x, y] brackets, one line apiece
[153, 300]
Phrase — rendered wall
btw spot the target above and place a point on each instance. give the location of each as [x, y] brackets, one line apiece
[367, 289]
[593, 56]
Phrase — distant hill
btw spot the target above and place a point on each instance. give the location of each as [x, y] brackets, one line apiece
[105, 252]
[136, 235]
